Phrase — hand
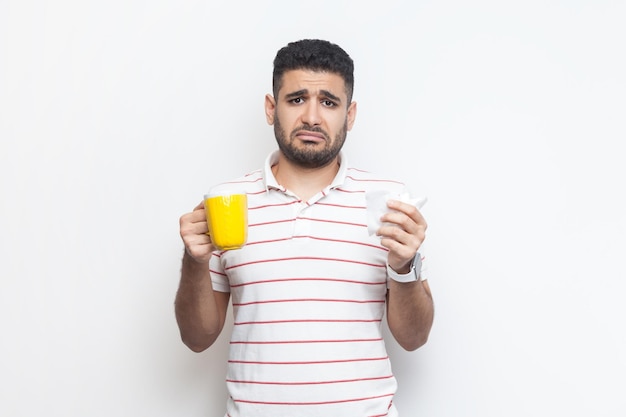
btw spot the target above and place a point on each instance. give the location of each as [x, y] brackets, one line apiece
[404, 236]
[194, 232]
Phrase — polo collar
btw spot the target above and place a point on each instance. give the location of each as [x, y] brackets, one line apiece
[271, 183]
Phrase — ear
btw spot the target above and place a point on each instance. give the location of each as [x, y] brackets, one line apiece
[270, 108]
[351, 115]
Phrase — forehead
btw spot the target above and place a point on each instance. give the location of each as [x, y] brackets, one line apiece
[313, 82]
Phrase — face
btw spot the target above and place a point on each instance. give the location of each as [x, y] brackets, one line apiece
[311, 117]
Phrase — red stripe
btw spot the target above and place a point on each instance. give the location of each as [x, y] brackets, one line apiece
[295, 342]
[373, 180]
[332, 221]
[261, 191]
[358, 170]
[269, 241]
[300, 300]
[275, 205]
[339, 381]
[272, 222]
[255, 172]
[216, 272]
[343, 190]
[268, 281]
[314, 403]
[244, 182]
[306, 258]
[341, 205]
[305, 321]
[306, 218]
[352, 242]
[384, 358]
[319, 238]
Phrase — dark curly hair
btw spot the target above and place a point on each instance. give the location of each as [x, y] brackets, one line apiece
[316, 55]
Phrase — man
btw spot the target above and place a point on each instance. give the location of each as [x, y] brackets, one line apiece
[310, 287]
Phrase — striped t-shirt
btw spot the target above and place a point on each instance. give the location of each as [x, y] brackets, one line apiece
[308, 294]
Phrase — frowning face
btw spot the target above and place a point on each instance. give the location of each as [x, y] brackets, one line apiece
[311, 117]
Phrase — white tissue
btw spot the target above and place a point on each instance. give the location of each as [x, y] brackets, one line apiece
[377, 206]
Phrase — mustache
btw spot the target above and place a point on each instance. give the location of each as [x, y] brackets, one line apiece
[306, 128]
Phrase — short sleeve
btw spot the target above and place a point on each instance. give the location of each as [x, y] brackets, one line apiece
[219, 279]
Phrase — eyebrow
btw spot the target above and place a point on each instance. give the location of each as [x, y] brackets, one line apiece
[305, 92]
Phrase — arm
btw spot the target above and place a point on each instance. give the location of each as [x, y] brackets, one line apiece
[410, 308]
[200, 311]
[410, 313]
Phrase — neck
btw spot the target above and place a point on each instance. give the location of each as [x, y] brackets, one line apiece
[304, 182]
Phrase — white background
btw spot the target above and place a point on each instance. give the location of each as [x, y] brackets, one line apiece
[116, 116]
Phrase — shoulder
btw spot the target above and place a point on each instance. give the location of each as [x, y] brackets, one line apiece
[361, 179]
[250, 183]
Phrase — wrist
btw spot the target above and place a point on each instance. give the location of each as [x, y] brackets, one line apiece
[190, 259]
[412, 275]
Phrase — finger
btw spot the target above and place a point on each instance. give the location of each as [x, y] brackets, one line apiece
[403, 230]
[200, 251]
[399, 237]
[400, 221]
[398, 251]
[198, 240]
[193, 223]
[197, 215]
[408, 209]
[413, 223]
[194, 227]
[197, 243]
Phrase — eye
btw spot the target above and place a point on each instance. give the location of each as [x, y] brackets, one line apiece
[328, 103]
[297, 100]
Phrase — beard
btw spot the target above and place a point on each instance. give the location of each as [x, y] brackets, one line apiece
[307, 156]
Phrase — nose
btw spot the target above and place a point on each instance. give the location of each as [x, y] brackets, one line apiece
[312, 115]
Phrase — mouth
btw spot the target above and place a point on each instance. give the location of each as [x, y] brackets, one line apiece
[310, 137]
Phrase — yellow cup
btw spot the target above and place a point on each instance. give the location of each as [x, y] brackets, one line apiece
[227, 218]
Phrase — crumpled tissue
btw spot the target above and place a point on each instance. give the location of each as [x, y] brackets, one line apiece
[377, 206]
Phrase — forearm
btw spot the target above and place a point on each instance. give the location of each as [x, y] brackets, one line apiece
[410, 313]
[198, 312]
